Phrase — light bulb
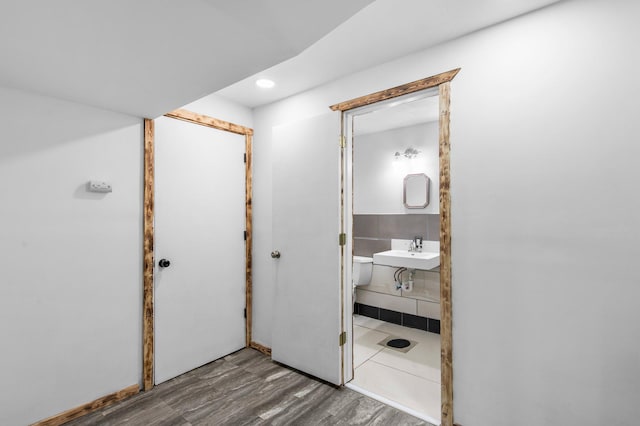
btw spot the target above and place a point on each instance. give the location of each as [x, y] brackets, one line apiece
[265, 83]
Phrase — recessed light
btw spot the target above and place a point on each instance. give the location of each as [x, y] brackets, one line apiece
[265, 83]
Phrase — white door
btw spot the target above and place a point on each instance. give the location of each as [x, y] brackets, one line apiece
[199, 228]
[306, 224]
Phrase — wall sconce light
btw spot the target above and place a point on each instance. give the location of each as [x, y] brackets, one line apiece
[408, 153]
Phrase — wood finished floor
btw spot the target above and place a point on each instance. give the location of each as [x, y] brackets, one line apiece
[247, 388]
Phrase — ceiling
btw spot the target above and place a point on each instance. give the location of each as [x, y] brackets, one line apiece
[400, 112]
[380, 32]
[146, 57]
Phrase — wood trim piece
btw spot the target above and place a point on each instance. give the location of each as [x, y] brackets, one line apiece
[257, 346]
[342, 247]
[192, 117]
[446, 335]
[249, 239]
[394, 92]
[147, 310]
[89, 407]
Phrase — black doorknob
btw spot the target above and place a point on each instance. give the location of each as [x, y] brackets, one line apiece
[164, 263]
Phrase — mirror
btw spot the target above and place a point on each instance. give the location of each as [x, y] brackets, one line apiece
[415, 194]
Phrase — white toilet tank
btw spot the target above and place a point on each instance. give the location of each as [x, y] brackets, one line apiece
[362, 269]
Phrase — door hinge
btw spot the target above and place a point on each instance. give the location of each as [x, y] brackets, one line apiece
[342, 239]
[245, 312]
[245, 235]
[245, 157]
[342, 338]
[342, 141]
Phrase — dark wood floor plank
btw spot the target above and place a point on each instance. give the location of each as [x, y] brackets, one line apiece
[247, 388]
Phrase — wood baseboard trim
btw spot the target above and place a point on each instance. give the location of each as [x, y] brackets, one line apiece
[89, 407]
[257, 346]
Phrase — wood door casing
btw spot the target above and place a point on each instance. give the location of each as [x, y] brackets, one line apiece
[148, 229]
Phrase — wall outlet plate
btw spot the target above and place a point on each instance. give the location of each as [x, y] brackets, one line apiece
[98, 186]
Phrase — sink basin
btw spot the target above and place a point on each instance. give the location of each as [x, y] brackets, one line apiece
[407, 259]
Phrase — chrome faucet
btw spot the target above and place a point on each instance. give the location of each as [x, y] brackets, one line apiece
[416, 244]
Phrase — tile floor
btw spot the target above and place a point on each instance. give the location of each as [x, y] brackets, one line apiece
[409, 379]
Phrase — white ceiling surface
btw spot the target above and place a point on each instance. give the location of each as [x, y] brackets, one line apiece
[382, 31]
[147, 57]
[393, 115]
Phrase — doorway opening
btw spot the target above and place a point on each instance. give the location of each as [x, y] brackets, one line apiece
[397, 306]
[397, 223]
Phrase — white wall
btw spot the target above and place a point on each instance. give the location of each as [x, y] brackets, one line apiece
[378, 177]
[545, 229]
[71, 263]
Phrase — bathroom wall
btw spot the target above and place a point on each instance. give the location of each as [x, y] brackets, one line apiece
[379, 212]
[545, 229]
[418, 307]
[372, 233]
[380, 215]
[421, 315]
[382, 299]
[378, 176]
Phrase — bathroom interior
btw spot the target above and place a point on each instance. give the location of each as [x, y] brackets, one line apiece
[395, 243]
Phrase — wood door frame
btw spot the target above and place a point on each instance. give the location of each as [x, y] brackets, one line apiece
[442, 81]
[148, 333]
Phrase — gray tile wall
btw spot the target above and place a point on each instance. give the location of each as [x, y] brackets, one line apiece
[372, 233]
